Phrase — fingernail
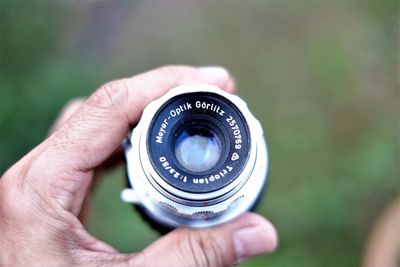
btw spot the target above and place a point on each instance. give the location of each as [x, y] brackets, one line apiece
[214, 73]
[254, 240]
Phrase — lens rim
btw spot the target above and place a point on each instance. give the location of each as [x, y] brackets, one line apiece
[159, 153]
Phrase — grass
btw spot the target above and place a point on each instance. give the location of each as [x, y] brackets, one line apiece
[322, 77]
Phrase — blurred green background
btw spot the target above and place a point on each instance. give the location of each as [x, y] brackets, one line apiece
[321, 76]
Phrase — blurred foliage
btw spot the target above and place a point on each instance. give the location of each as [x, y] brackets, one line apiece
[321, 76]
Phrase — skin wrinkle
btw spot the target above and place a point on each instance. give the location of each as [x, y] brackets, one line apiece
[50, 210]
[139, 259]
[203, 244]
[214, 252]
[84, 239]
[69, 109]
[98, 251]
[8, 217]
[22, 167]
[198, 257]
[75, 242]
[40, 233]
[91, 159]
[103, 98]
[83, 193]
[46, 206]
[116, 98]
[41, 204]
[113, 92]
[76, 166]
[63, 194]
[61, 186]
[217, 251]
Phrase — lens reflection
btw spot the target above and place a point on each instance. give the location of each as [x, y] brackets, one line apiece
[197, 149]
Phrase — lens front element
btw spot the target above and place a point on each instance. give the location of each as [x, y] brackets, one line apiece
[197, 149]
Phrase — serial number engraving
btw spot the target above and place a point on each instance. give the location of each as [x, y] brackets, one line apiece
[236, 132]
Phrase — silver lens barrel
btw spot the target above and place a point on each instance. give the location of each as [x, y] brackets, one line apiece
[197, 158]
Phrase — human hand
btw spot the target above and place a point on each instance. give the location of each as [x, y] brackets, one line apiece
[42, 194]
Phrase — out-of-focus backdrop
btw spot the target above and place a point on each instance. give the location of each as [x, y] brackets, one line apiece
[321, 76]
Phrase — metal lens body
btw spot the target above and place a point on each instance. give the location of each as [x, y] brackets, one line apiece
[197, 158]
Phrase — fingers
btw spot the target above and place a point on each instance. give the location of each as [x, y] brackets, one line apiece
[64, 164]
[66, 113]
[226, 245]
[100, 125]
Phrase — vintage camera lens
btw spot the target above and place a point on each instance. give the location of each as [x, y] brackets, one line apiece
[197, 158]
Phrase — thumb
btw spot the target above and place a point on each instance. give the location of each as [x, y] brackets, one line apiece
[225, 245]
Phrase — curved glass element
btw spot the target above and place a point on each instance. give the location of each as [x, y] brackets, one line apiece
[197, 149]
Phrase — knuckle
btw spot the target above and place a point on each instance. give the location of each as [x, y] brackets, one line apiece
[110, 94]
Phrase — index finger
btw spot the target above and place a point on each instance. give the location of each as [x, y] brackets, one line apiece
[100, 125]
